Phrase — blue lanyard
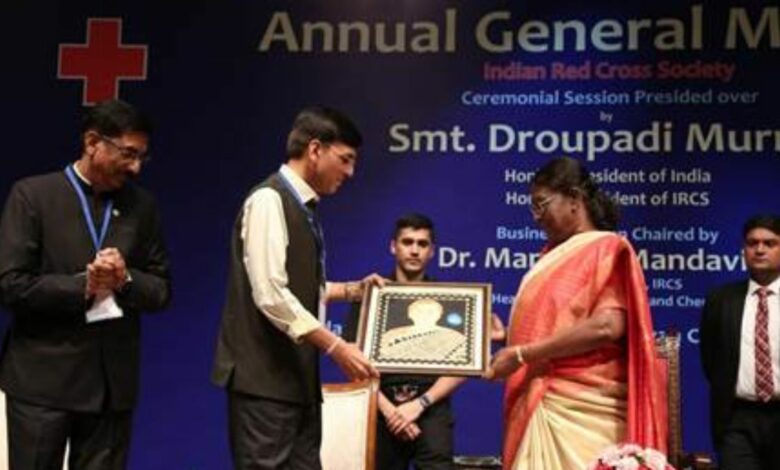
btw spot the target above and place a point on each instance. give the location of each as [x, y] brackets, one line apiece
[97, 241]
[314, 223]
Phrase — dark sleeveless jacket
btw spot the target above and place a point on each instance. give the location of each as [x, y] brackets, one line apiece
[253, 356]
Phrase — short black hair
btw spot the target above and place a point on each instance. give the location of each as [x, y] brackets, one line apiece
[324, 124]
[416, 221]
[770, 222]
[113, 118]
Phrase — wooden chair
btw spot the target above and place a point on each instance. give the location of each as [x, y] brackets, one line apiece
[668, 355]
[349, 425]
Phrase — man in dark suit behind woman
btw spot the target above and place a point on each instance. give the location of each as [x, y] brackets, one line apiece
[740, 349]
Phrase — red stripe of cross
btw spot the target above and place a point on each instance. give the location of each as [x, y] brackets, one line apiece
[102, 61]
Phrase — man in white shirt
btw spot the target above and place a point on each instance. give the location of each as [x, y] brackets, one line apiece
[740, 352]
[272, 331]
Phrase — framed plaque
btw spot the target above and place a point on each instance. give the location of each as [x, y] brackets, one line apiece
[439, 328]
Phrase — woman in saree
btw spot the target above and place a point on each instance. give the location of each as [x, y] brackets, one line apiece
[579, 362]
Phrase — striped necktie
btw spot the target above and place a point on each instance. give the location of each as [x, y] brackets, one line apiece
[764, 382]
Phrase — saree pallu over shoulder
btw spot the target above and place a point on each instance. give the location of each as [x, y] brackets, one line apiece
[589, 272]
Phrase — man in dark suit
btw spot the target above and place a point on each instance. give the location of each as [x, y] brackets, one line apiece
[81, 255]
[272, 322]
[740, 349]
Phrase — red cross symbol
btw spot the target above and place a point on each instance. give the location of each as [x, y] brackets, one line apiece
[102, 61]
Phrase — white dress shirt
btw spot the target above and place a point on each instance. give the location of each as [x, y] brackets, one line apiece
[746, 376]
[264, 233]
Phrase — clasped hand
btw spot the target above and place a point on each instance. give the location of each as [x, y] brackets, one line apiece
[402, 420]
[106, 273]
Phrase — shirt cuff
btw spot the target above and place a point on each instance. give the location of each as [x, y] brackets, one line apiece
[302, 326]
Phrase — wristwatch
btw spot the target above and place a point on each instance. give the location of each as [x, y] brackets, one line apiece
[425, 402]
[128, 281]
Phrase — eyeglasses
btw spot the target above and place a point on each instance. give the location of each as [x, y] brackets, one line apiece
[128, 153]
[538, 208]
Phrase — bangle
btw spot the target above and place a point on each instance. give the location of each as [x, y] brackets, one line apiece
[334, 345]
[519, 354]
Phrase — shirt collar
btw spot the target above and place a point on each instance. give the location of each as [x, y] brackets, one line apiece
[773, 287]
[83, 182]
[86, 185]
[301, 187]
[80, 176]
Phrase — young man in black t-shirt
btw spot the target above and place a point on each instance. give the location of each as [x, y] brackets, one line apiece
[416, 422]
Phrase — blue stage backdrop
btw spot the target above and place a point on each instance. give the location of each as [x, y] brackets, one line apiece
[673, 106]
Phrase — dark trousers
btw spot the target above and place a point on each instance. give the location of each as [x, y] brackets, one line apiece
[432, 450]
[270, 434]
[751, 440]
[37, 436]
